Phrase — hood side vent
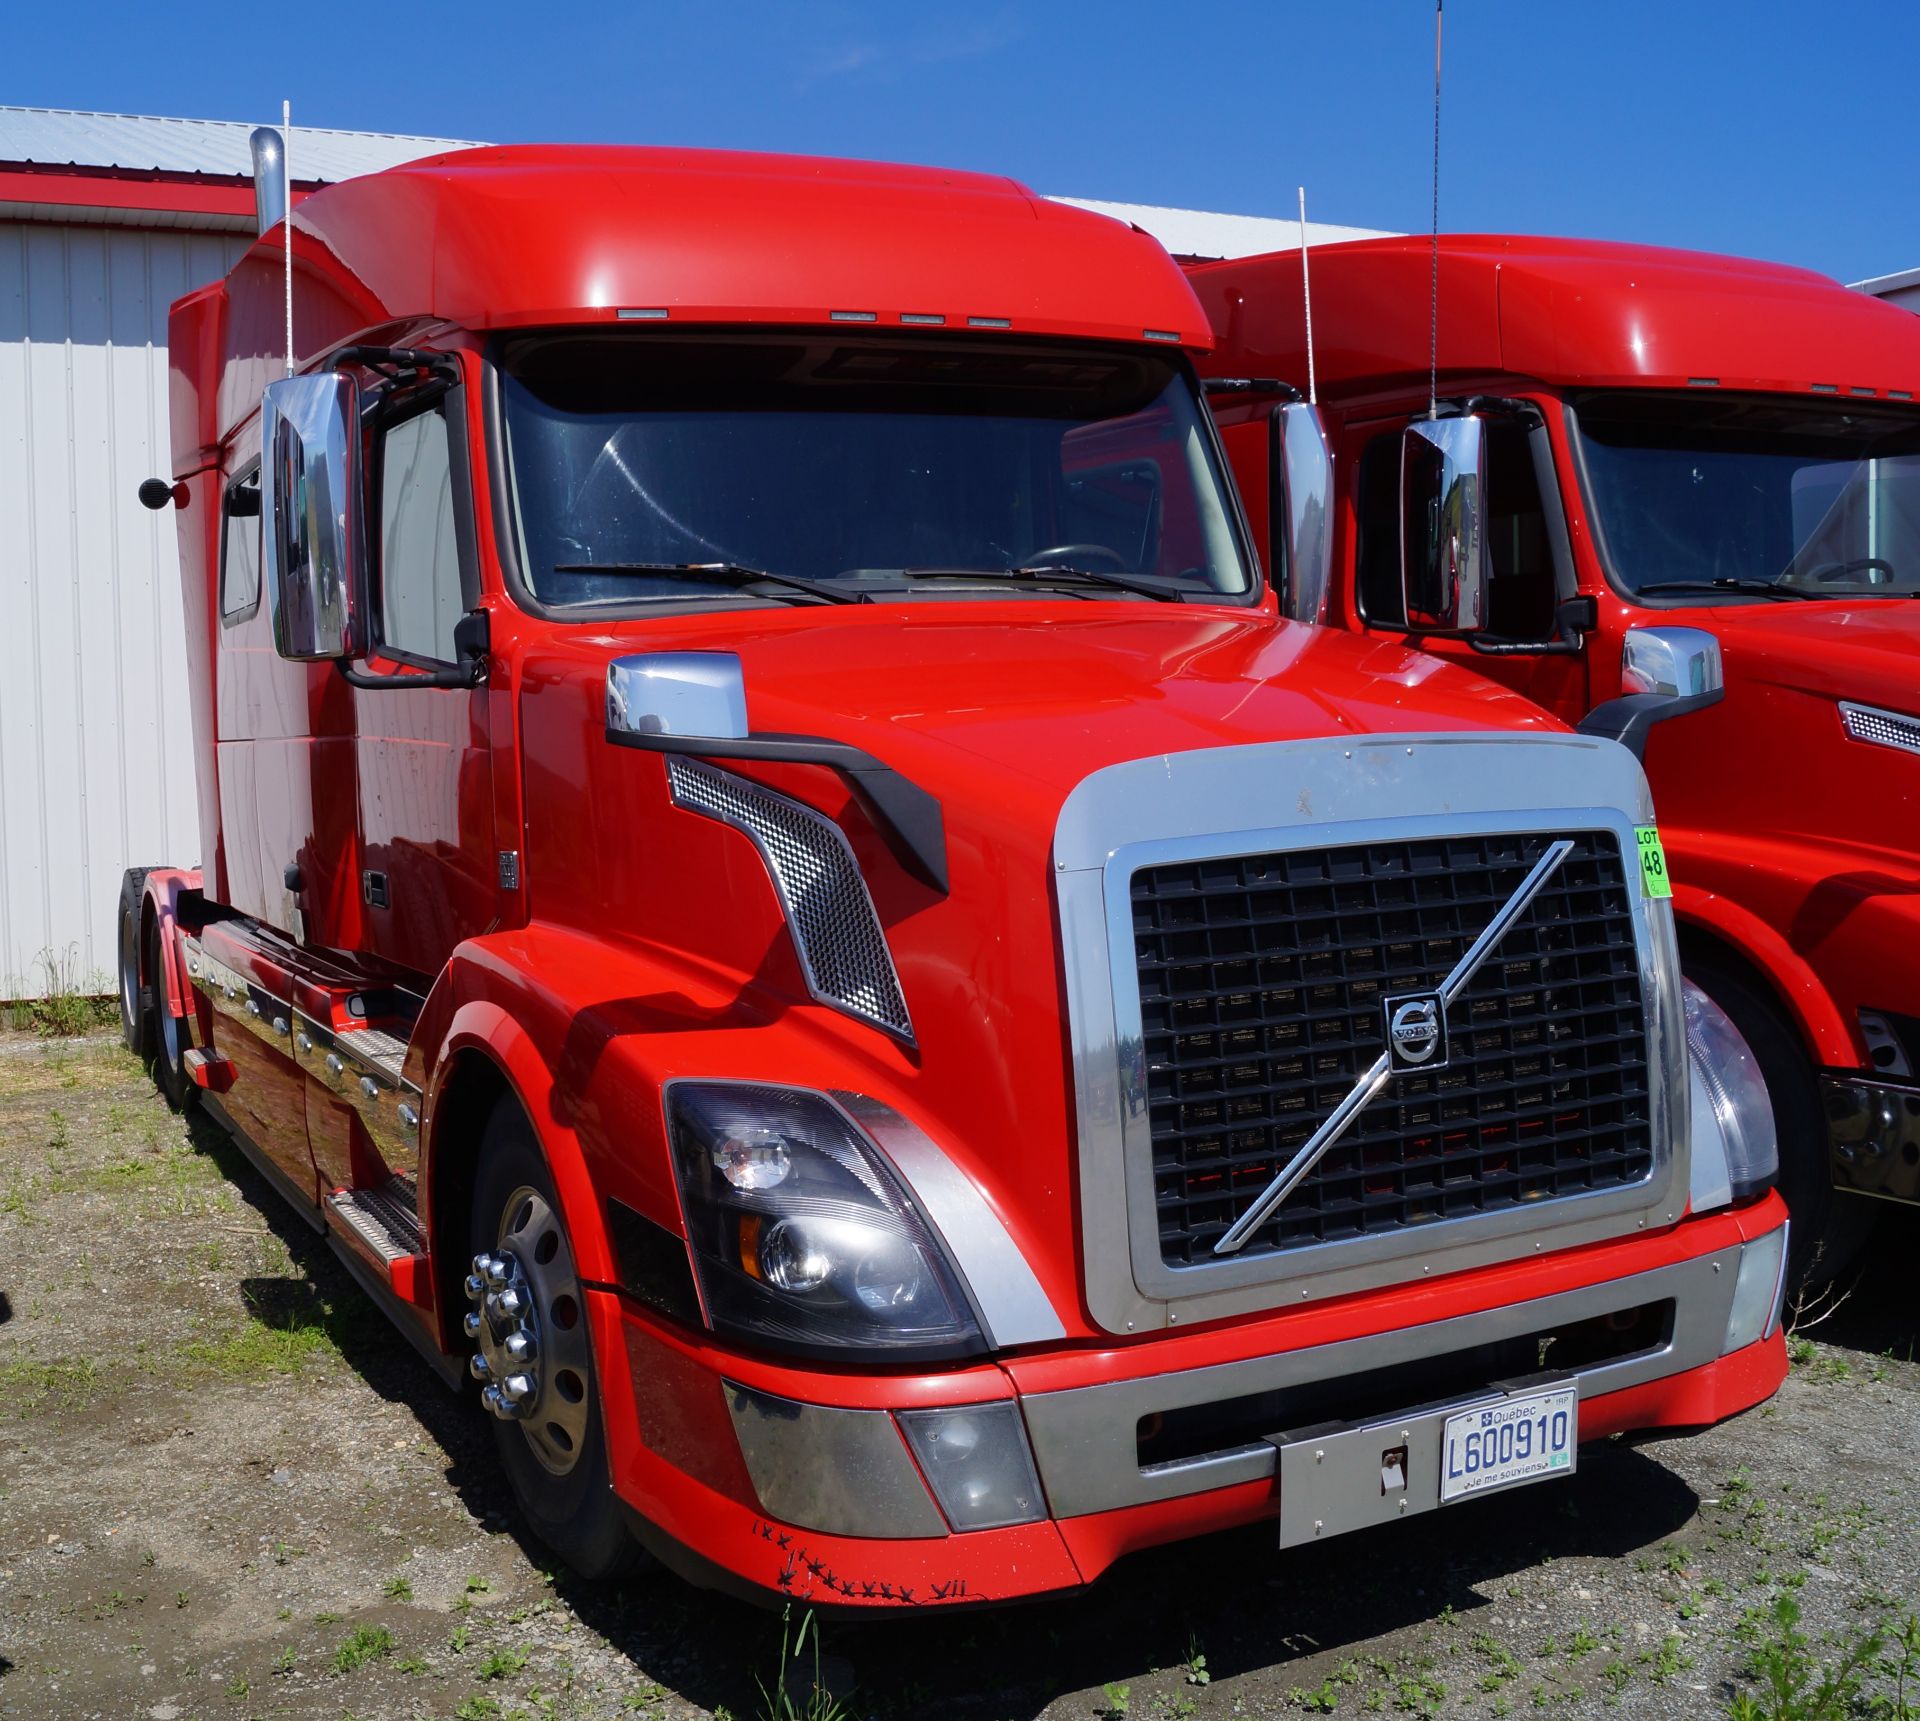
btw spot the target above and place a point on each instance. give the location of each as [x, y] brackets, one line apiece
[1881, 728]
[836, 929]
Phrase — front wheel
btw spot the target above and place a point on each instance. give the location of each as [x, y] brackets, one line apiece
[1830, 1228]
[168, 1044]
[534, 1356]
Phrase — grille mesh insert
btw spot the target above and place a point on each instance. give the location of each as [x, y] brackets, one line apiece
[835, 927]
[1261, 984]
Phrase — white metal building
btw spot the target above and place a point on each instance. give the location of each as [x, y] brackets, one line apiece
[104, 220]
[1902, 288]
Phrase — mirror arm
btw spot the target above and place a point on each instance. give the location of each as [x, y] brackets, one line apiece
[471, 643]
[1265, 386]
[396, 362]
[907, 816]
[1575, 618]
[1629, 718]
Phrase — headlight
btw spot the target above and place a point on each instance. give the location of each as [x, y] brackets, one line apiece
[1727, 1080]
[802, 1234]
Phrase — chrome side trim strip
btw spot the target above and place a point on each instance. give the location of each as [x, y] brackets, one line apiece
[819, 1467]
[1005, 1294]
[1085, 1439]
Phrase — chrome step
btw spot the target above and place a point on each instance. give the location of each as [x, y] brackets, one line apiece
[386, 1218]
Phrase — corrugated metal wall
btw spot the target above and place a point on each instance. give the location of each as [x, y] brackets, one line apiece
[96, 766]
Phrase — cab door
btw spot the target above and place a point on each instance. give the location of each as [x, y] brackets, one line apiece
[428, 869]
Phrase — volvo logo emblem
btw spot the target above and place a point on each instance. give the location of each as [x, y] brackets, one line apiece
[1416, 1031]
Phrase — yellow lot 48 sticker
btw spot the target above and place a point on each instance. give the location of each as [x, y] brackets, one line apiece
[1653, 861]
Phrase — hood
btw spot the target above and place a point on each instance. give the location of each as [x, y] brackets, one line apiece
[1866, 651]
[997, 709]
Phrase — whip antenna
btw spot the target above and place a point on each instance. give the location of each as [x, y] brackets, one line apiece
[1306, 292]
[1433, 308]
[286, 203]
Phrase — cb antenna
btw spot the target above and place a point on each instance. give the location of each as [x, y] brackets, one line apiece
[1306, 292]
[1433, 307]
[286, 204]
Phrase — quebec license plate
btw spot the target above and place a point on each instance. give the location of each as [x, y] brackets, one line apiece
[1523, 1439]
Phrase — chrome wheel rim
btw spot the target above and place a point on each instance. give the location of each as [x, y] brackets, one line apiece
[534, 1358]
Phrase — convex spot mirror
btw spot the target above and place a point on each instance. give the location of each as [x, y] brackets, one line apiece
[311, 526]
[1443, 542]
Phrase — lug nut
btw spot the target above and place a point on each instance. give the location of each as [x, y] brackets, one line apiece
[476, 1288]
[479, 1367]
[492, 1399]
[507, 1304]
[497, 1270]
[521, 1347]
[472, 1323]
[517, 1388]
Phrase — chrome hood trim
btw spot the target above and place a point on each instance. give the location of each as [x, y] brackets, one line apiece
[1279, 795]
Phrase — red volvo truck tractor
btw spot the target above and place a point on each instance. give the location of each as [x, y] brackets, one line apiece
[777, 886]
[1654, 470]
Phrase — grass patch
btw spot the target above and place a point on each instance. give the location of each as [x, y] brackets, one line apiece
[64, 1383]
[368, 1643]
[69, 1003]
[291, 1325]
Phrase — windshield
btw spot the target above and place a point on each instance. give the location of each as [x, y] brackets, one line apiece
[881, 466]
[1751, 494]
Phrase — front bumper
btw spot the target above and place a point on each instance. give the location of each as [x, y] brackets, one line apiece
[801, 1483]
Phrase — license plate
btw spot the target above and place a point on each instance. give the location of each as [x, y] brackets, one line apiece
[1517, 1440]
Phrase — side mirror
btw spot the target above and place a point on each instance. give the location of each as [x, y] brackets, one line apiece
[1676, 661]
[310, 503]
[685, 694]
[1303, 525]
[1443, 545]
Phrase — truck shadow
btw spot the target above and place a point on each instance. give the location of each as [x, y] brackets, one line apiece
[1872, 1308]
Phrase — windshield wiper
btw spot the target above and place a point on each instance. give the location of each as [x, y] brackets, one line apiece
[718, 573]
[1146, 585]
[1726, 583]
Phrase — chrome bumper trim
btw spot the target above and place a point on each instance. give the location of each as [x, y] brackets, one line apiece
[1085, 1439]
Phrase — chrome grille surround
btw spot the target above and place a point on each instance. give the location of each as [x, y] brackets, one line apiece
[1319, 795]
[1881, 728]
[836, 929]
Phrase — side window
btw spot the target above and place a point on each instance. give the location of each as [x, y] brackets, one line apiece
[1377, 547]
[420, 591]
[1520, 592]
[240, 549]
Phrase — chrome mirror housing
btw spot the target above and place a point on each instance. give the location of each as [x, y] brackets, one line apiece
[1678, 661]
[1305, 472]
[700, 695]
[310, 504]
[1443, 545]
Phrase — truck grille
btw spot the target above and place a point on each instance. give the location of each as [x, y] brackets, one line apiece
[1261, 984]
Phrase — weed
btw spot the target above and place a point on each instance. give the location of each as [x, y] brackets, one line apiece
[479, 1586]
[397, 1589]
[1796, 1686]
[817, 1703]
[1670, 1660]
[1119, 1700]
[283, 1663]
[1197, 1673]
[65, 1383]
[69, 1004]
[238, 1688]
[504, 1663]
[180, 1598]
[368, 1643]
[411, 1664]
[1322, 1701]
[458, 1642]
[1583, 1642]
[477, 1709]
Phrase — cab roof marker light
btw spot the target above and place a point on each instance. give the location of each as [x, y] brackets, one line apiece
[989, 322]
[1857, 390]
[642, 313]
[1899, 394]
[1703, 382]
[933, 318]
[1160, 334]
[854, 316]
[1824, 387]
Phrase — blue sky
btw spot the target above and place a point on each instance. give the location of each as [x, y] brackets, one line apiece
[1771, 130]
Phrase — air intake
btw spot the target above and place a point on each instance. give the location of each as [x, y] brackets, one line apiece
[835, 927]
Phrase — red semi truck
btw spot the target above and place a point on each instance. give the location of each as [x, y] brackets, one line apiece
[777, 886]
[1676, 469]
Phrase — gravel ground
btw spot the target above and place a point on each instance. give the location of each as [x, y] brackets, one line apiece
[228, 1490]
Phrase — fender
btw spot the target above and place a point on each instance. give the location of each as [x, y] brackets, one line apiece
[164, 888]
[1809, 1006]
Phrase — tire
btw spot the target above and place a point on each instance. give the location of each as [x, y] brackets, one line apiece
[563, 1486]
[1830, 1228]
[168, 1052]
[136, 999]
